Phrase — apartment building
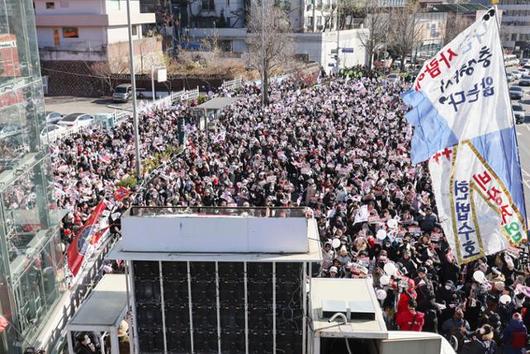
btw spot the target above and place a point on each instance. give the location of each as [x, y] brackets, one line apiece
[313, 23]
[515, 26]
[75, 34]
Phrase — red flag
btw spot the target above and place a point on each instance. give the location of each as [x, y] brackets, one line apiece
[81, 241]
[121, 193]
[97, 236]
[3, 324]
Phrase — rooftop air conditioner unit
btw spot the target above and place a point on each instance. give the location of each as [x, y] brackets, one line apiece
[331, 307]
[361, 310]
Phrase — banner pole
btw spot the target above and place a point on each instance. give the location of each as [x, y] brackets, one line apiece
[514, 131]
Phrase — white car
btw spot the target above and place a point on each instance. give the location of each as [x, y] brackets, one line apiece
[517, 74]
[76, 120]
[7, 130]
[393, 78]
[51, 132]
[53, 117]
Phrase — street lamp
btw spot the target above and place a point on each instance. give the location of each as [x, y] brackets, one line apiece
[133, 83]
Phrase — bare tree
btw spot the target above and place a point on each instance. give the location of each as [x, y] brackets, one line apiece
[455, 24]
[377, 23]
[103, 72]
[350, 10]
[403, 32]
[269, 43]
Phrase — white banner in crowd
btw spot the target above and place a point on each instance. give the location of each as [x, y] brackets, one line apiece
[475, 208]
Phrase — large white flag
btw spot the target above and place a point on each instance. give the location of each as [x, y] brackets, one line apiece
[464, 127]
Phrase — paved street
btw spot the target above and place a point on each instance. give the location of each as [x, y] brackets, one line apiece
[68, 104]
[523, 136]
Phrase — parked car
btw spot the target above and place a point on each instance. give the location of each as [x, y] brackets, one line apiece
[53, 117]
[517, 74]
[51, 132]
[518, 113]
[525, 81]
[122, 93]
[7, 130]
[76, 120]
[393, 78]
[509, 77]
[516, 92]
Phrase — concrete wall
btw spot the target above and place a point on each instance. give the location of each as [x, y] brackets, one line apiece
[89, 38]
[147, 53]
[316, 45]
[319, 45]
[75, 78]
[117, 34]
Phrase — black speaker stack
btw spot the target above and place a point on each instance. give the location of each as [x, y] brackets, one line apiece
[219, 320]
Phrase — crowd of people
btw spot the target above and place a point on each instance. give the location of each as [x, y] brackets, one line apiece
[340, 148]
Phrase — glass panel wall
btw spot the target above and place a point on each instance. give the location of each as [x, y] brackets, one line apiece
[31, 256]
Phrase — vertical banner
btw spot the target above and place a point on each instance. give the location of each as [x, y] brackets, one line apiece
[80, 247]
[476, 210]
[464, 127]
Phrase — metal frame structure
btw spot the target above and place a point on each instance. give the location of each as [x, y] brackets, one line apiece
[305, 266]
[118, 310]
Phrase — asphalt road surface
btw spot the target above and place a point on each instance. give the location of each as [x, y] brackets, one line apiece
[523, 137]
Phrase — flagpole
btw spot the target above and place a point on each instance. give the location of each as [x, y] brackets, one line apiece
[495, 9]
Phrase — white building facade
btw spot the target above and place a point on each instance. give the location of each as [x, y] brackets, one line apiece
[85, 30]
[515, 27]
[313, 23]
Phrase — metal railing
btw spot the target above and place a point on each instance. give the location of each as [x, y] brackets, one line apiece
[232, 84]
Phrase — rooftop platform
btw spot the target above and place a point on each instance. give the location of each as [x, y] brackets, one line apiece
[221, 234]
[217, 103]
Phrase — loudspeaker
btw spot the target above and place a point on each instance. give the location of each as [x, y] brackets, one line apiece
[151, 341]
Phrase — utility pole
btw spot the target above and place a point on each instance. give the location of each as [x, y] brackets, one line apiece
[337, 61]
[133, 83]
[264, 60]
[314, 15]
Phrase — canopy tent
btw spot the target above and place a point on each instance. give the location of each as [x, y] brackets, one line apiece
[217, 103]
[210, 109]
[102, 311]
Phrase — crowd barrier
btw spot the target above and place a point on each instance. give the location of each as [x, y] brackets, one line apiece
[232, 84]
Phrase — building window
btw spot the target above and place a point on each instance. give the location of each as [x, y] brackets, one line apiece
[50, 5]
[208, 5]
[134, 30]
[70, 32]
[514, 36]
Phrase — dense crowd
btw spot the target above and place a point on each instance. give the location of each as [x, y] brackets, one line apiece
[340, 148]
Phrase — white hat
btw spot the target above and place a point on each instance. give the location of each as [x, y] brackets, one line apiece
[390, 269]
[505, 299]
[479, 277]
[381, 234]
[380, 294]
[392, 223]
[333, 269]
